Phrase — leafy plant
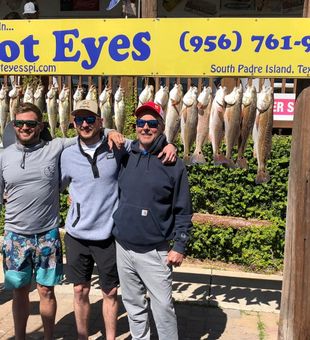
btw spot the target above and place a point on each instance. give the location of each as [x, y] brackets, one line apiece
[130, 105]
[257, 248]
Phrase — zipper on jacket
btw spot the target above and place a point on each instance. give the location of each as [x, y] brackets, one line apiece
[93, 161]
[22, 164]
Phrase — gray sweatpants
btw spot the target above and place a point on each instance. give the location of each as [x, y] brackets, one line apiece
[141, 272]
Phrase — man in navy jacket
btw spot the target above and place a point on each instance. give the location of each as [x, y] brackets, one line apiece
[154, 208]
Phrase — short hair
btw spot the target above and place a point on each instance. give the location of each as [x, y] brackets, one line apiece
[27, 107]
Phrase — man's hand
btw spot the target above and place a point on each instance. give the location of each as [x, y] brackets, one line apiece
[174, 258]
[170, 152]
[115, 138]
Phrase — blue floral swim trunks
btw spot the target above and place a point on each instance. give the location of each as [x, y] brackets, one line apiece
[38, 255]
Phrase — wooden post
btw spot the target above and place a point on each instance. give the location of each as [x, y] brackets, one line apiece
[149, 9]
[295, 301]
[306, 12]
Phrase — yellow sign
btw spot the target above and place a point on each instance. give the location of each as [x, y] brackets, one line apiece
[244, 47]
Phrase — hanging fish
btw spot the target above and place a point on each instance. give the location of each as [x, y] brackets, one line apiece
[248, 113]
[204, 108]
[105, 105]
[147, 95]
[189, 120]
[119, 109]
[39, 97]
[51, 108]
[64, 110]
[4, 108]
[78, 96]
[173, 116]
[161, 98]
[29, 94]
[216, 125]
[232, 117]
[262, 132]
[92, 93]
[15, 99]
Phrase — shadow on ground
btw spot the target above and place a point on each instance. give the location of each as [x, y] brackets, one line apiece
[6, 295]
[209, 288]
[194, 322]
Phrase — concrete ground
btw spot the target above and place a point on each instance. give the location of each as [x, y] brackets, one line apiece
[209, 304]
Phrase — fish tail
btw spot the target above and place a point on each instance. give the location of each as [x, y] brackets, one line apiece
[242, 163]
[220, 159]
[187, 159]
[198, 158]
[229, 163]
[262, 176]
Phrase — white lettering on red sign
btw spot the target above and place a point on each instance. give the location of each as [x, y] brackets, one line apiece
[283, 108]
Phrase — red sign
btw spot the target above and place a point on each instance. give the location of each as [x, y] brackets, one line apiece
[283, 108]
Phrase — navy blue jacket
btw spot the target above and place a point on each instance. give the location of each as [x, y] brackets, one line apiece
[154, 203]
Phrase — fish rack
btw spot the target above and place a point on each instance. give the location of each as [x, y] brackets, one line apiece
[134, 85]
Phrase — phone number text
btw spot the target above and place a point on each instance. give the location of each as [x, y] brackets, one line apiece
[233, 42]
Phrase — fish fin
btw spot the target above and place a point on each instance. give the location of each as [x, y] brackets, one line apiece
[257, 121]
[219, 159]
[242, 163]
[229, 164]
[198, 158]
[184, 114]
[187, 159]
[262, 176]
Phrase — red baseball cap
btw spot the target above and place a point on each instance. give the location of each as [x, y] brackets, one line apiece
[156, 108]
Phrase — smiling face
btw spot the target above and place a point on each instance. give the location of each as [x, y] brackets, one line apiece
[26, 134]
[88, 130]
[146, 134]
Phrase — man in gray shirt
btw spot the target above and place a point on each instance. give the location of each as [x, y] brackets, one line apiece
[29, 176]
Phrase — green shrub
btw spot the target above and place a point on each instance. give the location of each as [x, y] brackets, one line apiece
[257, 248]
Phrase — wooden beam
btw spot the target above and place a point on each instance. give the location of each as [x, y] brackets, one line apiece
[228, 221]
[199, 84]
[306, 11]
[295, 301]
[149, 9]
[100, 89]
[282, 124]
[283, 85]
[157, 84]
[189, 83]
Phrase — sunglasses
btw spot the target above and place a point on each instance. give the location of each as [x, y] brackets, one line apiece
[28, 123]
[152, 123]
[88, 119]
